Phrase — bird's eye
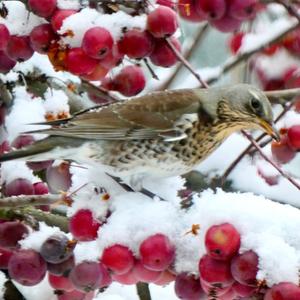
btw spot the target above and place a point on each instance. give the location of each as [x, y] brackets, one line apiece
[255, 104]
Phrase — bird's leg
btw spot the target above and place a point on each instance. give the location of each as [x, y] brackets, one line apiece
[127, 188]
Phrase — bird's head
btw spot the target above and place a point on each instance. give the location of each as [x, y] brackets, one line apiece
[247, 106]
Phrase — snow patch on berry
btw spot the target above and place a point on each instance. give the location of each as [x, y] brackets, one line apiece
[68, 4]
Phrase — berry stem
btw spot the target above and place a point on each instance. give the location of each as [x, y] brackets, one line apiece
[290, 8]
[143, 291]
[266, 158]
[152, 72]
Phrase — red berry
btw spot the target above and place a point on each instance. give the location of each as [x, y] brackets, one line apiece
[293, 135]
[83, 226]
[130, 81]
[227, 24]
[132, 38]
[6, 63]
[11, 233]
[97, 42]
[39, 165]
[157, 252]
[114, 58]
[62, 268]
[79, 63]
[292, 42]
[145, 275]
[187, 10]
[18, 187]
[118, 258]
[281, 150]
[162, 55]
[19, 48]
[60, 282]
[27, 267]
[292, 78]
[211, 9]
[165, 278]
[5, 256]
[42, 8]
[86, 276]
[106, 279]
[162, 22]
[188, 287]
[243, 9]
[244, 267]
[41, 38]
[236, 42]
[40, 188]
[59, 17]
[222, 241]
[283, 291]
[217, 289]
[4, 37]
[4, 147]
[169, 3]
[215, 271]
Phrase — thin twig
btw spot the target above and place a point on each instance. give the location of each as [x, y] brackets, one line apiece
[234, 61]
[290, 8]
[29, 200]
[153, 74]
[281, 96]
[188, 54]
[266, 158]
[186, 63]
[248, 149]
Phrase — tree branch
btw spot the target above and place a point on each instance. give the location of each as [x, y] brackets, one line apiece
[143, 291]
[281, 96]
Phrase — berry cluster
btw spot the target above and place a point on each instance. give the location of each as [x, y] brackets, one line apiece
[224, 15]
[99, 51]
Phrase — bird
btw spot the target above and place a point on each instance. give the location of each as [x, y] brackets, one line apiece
[161, 134]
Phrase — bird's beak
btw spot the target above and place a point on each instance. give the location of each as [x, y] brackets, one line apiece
[270, 129]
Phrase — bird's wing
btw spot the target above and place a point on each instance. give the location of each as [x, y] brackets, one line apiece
[144, 117]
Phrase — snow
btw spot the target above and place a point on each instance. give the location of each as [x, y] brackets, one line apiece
[68, 4]
[3, 279]
[19, 21]
[36, 238]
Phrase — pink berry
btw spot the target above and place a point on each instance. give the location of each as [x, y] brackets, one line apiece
[162, 55]
[59, 178]
[227, 24]
[215, 271]
[75, 295]
[22, 141]
[162, 22]
[222, 241]
[97, 42]
[6, 63]
[283, 291]
[4, 147]
[79, 63]
[244, 268]
[165, 278]
[60, 282]
[118, 258]
[39, 165]
[4, 37]
[187, 10]
[145, 275]
[42, 8]
[269, 179]
[83, 226]
[236, 42]
[217, 289]
[211, 9]
[98, 74]
[130, 81]
[86, 276]
[243, 290]
[243, 9]
[27, 267]
[169, 3]
[41, 38]
[188, 287]
[63, 268]
[106, 279]
[281, 150]
[59, 16]
[293, 136]
[157, 252]
[128, 278]
[19, 186]
[132, 38]
[19, 48]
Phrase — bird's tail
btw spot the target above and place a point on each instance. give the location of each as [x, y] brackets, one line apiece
[39, 147]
